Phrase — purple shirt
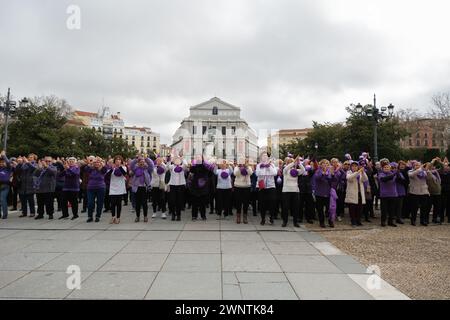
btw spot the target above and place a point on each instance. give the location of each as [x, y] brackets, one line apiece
[72, 179]
[388, 185]
[96, 178]
[322, 183]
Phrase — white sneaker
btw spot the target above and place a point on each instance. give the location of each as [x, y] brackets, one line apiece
[154, 215]
[164, 215]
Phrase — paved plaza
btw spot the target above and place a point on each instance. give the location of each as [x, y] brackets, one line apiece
[163, 259]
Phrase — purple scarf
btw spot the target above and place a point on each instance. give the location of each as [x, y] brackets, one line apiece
[333, 204]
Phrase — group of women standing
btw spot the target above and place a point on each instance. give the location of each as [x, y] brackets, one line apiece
[302, 188]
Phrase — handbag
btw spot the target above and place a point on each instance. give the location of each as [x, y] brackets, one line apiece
[261, 184]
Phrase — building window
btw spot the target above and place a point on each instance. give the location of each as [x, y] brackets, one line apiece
[223, 153]
[426, 135]
[434, 143]
[425, 143]
[418, 135]
[224, 130]
[154, 138]
[215, 111]
[194, 130]
[203, 130]
[132, 143]
[142, 137]
[142, 144]
[132, 138]
[148, 138]
[233, 130]
[148, 144]
[417, 143]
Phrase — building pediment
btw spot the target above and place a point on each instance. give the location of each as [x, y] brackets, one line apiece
[208, 105]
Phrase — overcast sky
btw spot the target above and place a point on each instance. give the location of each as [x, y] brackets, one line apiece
[284, 62]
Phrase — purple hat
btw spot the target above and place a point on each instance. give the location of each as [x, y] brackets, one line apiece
[244, 171]
[178, 169]
[294, 173]
[224, 175]
[394, 164]
[159, 170]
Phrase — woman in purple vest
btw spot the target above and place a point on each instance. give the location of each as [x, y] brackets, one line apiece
[388, 193]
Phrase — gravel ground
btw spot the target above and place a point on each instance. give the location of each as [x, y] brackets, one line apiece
[416, 260]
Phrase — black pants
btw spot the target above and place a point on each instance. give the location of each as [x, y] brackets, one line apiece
[72, 198]
[223, 204]
[368, 209]
[242, 196]
[59, 198]
[422, 202]
[322, 207]
[291, 202]
[141, 201]
[355, 210]
[406, 210]
[116, 205]
[45, 203]
[388, 209]
[445, 205]
[199, 204]
[254, 201]
[278, 201]
[27, 200]
[12, 197]
[176, 195]
[85, 200]
[125, 197]
[436, 202]
[212, 196]
[306, 207]
[399, 210]
[340, 205]
[267, 202]
[107, 201]
[158, 199]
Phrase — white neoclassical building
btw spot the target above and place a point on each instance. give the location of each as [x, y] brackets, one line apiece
[215, 128]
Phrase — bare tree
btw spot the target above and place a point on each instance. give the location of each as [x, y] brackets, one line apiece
[441, 106]
[408, 114]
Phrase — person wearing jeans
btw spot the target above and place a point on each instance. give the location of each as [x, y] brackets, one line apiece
[5, 175]
[96, 188]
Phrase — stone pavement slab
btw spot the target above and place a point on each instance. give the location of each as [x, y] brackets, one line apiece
[162, 259]
[186, 285]
[115, 285]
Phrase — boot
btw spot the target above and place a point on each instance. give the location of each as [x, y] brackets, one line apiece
[238, 217]
[245, 218]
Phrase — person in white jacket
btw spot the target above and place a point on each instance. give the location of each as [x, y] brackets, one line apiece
[266, 172]
[224, 187]
[158, 188]
[355, 195]
[177, 186]
[291, 192]
[242, 184]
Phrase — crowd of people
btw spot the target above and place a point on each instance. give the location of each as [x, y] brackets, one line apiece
[302, 188]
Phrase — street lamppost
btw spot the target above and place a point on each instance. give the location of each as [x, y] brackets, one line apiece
[372, 113]
[7, 108]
